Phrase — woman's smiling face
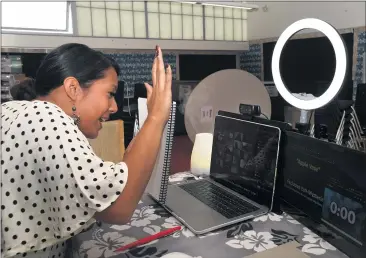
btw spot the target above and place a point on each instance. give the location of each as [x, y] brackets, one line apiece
[97, 103]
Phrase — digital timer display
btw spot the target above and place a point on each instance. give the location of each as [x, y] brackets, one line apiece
[344, 214]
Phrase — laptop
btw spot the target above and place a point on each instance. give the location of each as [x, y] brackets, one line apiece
[242, 178]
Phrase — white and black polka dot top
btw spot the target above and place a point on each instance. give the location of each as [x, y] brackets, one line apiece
[52, 183]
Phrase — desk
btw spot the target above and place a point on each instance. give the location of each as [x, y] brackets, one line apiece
[237, 241]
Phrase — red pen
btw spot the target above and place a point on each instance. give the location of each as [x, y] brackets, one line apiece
[149, 238]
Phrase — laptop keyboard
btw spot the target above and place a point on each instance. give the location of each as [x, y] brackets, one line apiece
[225, 203]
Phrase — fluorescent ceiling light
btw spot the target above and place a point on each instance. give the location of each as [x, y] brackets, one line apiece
[232, 4]
[341, 63]
[222, 5]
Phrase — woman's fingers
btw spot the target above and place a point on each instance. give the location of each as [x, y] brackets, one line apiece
[159, 94]
[154, 69]
[160, 71]
[168, 77]
[161, 77]
[149, 90]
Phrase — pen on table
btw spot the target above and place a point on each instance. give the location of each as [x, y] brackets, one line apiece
[149, 238]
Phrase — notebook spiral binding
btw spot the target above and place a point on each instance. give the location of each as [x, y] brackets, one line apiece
[167, 154]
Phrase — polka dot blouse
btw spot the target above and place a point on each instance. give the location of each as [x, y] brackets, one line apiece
[52, 183]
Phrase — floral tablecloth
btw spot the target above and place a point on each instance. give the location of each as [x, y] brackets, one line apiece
[237, 241]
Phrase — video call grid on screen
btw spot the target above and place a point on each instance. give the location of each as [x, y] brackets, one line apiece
[244, 157]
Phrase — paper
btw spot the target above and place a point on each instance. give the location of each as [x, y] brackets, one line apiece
[129, 91]
[290, 249]
[272, 91]
[6, 65]
[155, 183]
[206, 114]
[184, 92]
[158, 182]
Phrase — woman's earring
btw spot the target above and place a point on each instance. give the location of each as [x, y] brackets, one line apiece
[74, 116]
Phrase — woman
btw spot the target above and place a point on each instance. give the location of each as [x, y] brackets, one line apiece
[53, 185]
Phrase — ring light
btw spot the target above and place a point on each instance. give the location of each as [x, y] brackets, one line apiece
[341, 63]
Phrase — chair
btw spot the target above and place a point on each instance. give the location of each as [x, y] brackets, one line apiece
[110, 144]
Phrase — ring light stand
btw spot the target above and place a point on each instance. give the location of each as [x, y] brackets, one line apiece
[312, 103]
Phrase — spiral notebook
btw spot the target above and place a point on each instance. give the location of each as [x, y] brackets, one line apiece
[158, 184]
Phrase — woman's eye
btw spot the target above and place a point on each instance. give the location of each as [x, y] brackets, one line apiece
[112, 94]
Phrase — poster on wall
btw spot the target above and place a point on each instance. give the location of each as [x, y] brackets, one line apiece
[184, 93]
[271, 88]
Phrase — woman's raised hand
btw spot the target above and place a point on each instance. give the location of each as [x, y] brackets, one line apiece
[159, 95]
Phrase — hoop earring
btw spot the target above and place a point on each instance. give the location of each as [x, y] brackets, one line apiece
[74, 116]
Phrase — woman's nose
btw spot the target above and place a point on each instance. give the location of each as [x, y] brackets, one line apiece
[113, 108]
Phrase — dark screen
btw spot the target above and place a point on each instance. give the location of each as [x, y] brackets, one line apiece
[198, 67]
[360, 104]
[326, 182]
[306, 63]
[244, 158]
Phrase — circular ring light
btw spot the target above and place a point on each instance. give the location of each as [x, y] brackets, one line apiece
[341, 63]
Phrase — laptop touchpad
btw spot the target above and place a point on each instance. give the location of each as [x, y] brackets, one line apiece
[194, 212]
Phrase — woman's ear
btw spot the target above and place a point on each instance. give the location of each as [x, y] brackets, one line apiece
[72, 88]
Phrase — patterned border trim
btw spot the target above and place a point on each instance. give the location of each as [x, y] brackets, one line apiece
[136, 67]
[251, 60]
[358, 62]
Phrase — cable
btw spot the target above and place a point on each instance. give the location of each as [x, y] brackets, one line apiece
[265, 116]
[311, 115]
[309, 122]
[128, 103]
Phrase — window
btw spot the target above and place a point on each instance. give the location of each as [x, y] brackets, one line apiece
[166, 20]
[160, 20]
[124, 19]
[225, 23]
[36, 17]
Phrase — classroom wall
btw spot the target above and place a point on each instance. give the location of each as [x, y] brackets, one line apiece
[251, 60]
[273, 17]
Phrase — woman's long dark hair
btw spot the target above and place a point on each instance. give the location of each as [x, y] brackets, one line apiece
[69, 60]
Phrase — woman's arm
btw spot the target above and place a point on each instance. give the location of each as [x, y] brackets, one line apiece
[129, 146]
[140, 161]
[140, 156]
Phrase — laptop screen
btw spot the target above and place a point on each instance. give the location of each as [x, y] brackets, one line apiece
[244, 158]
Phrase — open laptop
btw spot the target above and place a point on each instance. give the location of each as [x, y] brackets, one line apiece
[242, 178]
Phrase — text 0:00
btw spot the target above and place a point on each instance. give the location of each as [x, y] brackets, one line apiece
[343, 212]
